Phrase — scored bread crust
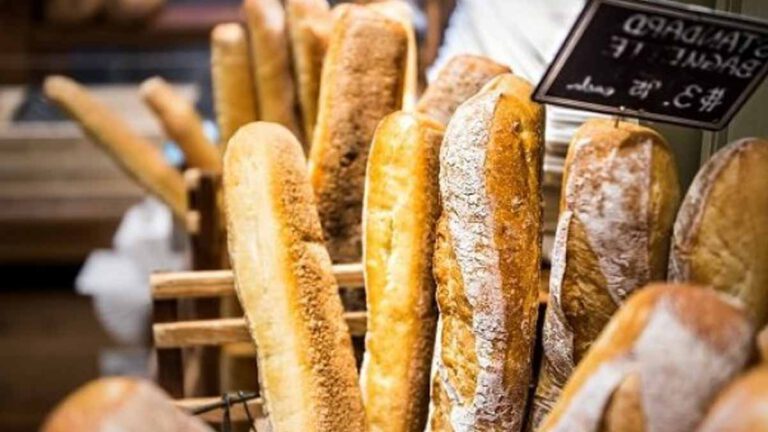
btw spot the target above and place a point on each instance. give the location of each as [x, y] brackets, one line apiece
[487, 259]
[270, 55]
[234, 94]
[182, 123]
[720, 231]
[457, 81]
[658, 363]
[285, 284]
[620, 195]
[362, 82]
[138, 157]
[401, 208]
[120, 404]
[309, 27]
[741, 407]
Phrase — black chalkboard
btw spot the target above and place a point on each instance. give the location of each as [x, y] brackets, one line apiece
[659, 61]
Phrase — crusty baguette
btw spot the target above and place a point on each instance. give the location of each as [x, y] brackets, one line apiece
[309, 25]
[284, 280]
[120, 404]
[136, 155]
[721, 230]
[401, 11]
[619, 200]
[458, 80]
[271, 62]
[70, 12]
[742, 406]
[658, 363]
[362, 82]
[401, 208]
[182, 123]
[487, 260]
[234, 94]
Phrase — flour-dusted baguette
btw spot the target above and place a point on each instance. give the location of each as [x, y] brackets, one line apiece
[120, 404]
[721, 230]
[271, 62]
[658, 363]
[309, 25]
[458, 80]
[487, 260]
[136, 155]
[619, 200]
[401, 11]
[742, 406]
[285, 284]
[182, 123]
[234, 94]
[362, 82]
[402, 205]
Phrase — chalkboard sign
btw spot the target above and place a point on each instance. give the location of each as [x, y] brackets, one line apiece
[658, 61]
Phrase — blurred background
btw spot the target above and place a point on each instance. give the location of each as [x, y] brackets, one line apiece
[61, 198]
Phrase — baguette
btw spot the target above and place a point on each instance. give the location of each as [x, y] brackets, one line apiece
[181, 123]
[620, 196]
[721, 230]
[658, 363]
[285, 284]
[401, 11]
[458, 80]
[487, 259]
[231, 78]
[141, 159]
[741, 407]
[401, 208]
[132, 11]
[362, 82]
[68, 12]
[271, 62]
[309, 26]
[120, 404]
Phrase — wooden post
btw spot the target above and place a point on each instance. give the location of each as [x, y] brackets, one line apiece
[170, 375]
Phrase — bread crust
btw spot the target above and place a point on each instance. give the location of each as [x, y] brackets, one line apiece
[458, 80]
[741, 407]
[487, 259]
[362, 82]
[120, 404]
[720, 231]
[284, 281]
[276, 95]
[402, 205]
[138, 157]
[234, 92]
[182, 123]
[309, 26]
[620, 195]
[683, 342]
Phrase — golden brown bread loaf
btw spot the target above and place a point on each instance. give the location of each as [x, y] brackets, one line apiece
[487, 260]
[401, 208]
[309, 25]
[232, 80]
[120, 404]
[742, 406]
[362, 82]
[140, 158]
[181, 123]
[721, 230]
[400, 10]
[619, 200]
[658, 363]
[284, 281]
[71, 12]
[458, 80]
[132, 11]
[271, 62]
